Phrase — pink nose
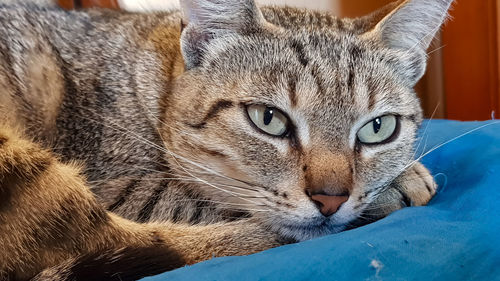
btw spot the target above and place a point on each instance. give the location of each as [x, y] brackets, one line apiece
[328, 205]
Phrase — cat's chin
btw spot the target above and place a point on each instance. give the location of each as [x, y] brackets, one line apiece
[303, 232]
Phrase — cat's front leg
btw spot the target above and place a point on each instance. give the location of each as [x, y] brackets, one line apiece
[414, 187]
[49, 218]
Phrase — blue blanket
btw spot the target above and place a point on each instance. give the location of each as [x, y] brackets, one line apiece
[455, 237]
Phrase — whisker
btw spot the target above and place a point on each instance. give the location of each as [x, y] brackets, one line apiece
[387, 184]
[139, 138]
[189, 173]
[163, 149]
[452, 140]
[425, 131]
[435, 50]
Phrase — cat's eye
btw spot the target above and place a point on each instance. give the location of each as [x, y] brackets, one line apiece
[379, 130]
[268, 119]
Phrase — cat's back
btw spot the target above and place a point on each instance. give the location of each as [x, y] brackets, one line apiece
[67, 77]
[79, 30]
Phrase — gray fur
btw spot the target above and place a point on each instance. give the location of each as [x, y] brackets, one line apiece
[153, 141]
[410, 28]
[209, 20]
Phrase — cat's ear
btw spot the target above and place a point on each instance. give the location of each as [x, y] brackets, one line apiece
[208, 20]
[411, 26]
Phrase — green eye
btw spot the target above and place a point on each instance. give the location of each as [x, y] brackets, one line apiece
[268, 119]
[378, 130]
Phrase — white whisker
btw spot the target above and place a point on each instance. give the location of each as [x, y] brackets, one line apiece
[387, 184]
[452, 140]
[174, 156]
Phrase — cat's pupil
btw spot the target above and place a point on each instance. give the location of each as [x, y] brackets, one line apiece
[268, 116]
[377, 123]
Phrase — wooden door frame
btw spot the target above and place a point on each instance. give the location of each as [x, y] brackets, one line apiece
[78, 4]
[471, 60]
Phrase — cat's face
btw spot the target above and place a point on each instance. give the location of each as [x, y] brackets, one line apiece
[268, 120]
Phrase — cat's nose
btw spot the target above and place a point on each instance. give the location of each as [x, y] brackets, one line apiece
[328, 180]
[328, 204]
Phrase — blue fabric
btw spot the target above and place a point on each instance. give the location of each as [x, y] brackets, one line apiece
[455, 237]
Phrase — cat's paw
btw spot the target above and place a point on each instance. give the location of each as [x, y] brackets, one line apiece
[414, 187]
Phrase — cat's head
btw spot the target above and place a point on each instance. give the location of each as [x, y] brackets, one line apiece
[295, 116]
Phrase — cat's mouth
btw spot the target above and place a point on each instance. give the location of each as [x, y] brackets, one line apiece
[307, 221]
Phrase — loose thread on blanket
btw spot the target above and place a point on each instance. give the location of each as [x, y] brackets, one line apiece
[377, 265]
[441, 187]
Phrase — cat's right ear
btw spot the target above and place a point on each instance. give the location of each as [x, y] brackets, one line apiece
[410, 26]
[207, 20]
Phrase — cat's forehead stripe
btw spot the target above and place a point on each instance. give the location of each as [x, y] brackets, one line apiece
[292, 91]
[214, 110]
[372, 92]
[319, 82]
[299, 50]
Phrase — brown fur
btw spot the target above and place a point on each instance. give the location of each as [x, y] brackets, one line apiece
[56, 218]
[168, 159]
[322, 180]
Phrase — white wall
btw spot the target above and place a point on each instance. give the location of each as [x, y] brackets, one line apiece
[143, 5]
[326, 5]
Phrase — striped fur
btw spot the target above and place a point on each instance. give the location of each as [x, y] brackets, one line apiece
[49, 216]
[152, 108]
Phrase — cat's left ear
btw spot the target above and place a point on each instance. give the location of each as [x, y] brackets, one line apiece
[411, 27]
[207, 20]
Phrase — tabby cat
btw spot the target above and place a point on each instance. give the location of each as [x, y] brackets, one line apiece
[131, 144]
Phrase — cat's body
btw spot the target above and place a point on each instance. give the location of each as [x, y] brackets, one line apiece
[160, 121]
[101, 108]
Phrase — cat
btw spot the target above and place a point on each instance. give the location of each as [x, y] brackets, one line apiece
[135, 143]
